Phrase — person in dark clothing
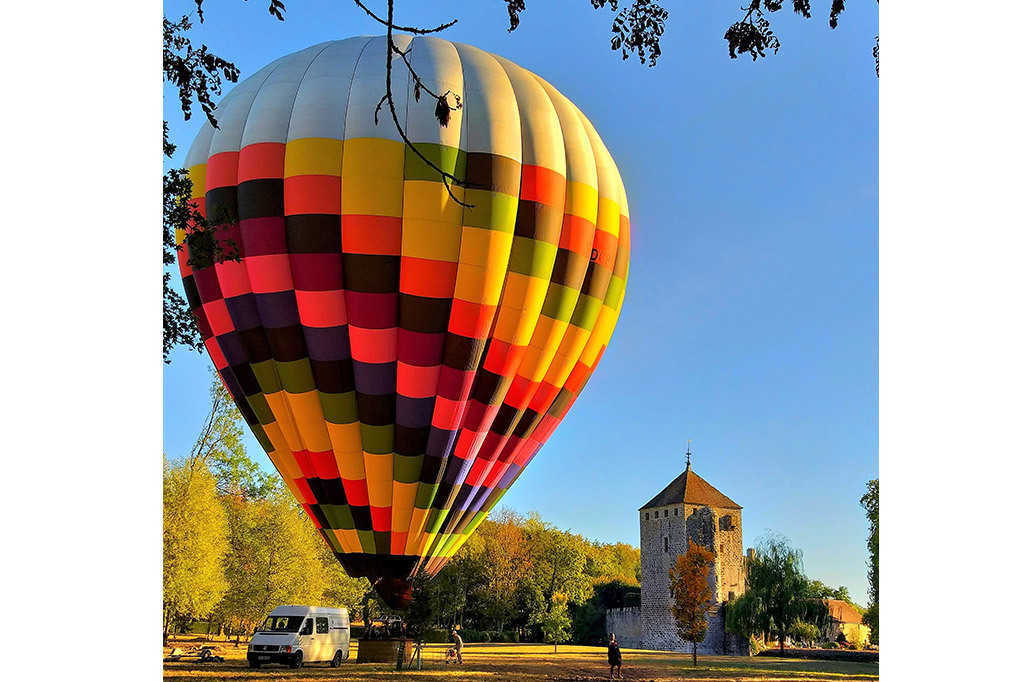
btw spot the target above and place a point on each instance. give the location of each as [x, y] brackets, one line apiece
[614, 656]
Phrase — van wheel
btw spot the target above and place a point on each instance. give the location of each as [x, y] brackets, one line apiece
[297, 661]
[336, 661]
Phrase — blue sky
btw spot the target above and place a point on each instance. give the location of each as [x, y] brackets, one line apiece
[751, 316]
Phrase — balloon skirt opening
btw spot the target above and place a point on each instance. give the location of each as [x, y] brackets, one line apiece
[389, 575]
[396, 592]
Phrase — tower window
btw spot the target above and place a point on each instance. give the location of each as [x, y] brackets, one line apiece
[666, 543]
[655, 514]
[676, 512]
[647, 516]
[725, 523]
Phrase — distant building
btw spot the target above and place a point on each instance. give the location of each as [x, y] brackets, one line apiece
[689, 508]
[846, 619]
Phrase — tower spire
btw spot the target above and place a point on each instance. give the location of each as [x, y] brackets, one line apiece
[687, 454]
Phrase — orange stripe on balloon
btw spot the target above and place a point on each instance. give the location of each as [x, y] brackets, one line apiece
[233, 278]
[324, 464]
[269, 274]
[321, 308]
[307, 493]
[472, 320]
[355, 492]
[429, 278]
[373, 345]
[261, 160]
[306, 194]
[218, 317]
[305, 463]
[542, 185]
[216, 354]
[368, 234]
[381, 518]
[417, 382]
[578, 377]
[222, 170]
[519, 393]
[577, 234]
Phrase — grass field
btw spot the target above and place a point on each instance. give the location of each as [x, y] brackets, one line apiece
[533, 663]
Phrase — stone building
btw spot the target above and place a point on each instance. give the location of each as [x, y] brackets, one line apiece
[689, 508]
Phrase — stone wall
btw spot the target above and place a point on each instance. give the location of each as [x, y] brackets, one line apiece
[625, 624]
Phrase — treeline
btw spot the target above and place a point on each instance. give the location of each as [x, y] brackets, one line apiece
[236, 544]
[520, 579]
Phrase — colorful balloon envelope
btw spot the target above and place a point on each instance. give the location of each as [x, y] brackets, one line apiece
[401, 355]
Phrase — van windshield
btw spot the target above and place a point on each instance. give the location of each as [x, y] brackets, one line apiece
[282, 624]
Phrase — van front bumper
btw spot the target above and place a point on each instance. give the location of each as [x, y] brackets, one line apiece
[266, 657]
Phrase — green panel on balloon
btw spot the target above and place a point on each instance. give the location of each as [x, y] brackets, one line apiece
[296, 376]
[339, 408]
[266, 375]
[339, 516]
[380, 440]
[261, 409]
[449, 159]
[408, 469]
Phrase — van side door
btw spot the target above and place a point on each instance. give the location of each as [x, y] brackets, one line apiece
[324, 648]
[307, 641]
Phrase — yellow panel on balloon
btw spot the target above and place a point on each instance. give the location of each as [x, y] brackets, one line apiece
[312, 156]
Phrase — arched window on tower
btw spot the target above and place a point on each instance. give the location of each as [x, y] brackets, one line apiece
[666, 543]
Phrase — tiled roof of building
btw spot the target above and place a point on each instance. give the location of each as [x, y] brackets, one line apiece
[842, 611]
[689, 488]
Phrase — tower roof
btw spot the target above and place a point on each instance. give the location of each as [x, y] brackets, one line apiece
[689, 488]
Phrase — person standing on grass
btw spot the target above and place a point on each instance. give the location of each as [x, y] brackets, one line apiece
[458, 646]
[614, 656]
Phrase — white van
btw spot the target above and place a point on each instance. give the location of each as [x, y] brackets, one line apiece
[294, 635]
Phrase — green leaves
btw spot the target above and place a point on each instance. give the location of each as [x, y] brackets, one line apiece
[196, 72]
[514, 8]
[753, 34]
[637, 29]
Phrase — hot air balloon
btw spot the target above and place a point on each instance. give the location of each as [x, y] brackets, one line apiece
[402, 355]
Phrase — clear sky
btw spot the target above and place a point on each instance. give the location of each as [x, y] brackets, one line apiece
[750, 323]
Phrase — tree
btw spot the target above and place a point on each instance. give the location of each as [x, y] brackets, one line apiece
[804, 632]
[508, 561]
[559, 560]
[776, 577]
[556, 621]
[691, 594]
[220, 447]
[746, 616]
[194, 543]
[870, 503]
[820, 590]
[277, 557]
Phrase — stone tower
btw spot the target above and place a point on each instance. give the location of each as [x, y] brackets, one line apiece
[689, 508]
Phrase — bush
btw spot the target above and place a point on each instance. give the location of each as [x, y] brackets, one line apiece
[437, 636]
[756, 645]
